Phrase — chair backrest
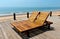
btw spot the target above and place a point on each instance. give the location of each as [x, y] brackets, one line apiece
[33, 16]
[41, 18]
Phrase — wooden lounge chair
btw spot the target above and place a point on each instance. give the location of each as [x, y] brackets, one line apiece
[38, 20]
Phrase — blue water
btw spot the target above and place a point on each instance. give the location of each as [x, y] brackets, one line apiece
[8, 10]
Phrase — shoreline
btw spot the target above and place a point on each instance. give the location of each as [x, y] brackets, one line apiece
[23, 13]
[21, 16]
[11, 14]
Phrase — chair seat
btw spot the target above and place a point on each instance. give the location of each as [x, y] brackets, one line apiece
[24, 25]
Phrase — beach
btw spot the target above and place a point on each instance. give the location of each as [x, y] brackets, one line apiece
[56, 13]
[10, 17]
[21, 16]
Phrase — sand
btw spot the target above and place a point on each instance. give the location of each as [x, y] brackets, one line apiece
[10, 18]
[20, 17]
[56, 13]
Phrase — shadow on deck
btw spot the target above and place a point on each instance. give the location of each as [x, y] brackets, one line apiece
[33, 32]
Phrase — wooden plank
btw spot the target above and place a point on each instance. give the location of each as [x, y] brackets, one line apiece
[9, 32]
[4, 34]
[1, 33]
[52, 34]
[41, 18]
[33, 16]
[23, 26]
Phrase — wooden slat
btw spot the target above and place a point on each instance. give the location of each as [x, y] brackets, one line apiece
[8, 32]
[1, 33]
[24, 25]
[31, 24]
[33, 16]
[41, 18]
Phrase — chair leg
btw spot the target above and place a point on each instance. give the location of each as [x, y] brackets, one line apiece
[27, 33]
[48, 26]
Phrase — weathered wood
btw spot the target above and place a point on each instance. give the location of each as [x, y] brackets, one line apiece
[42, 18]
[27, 14]
[51, 34]
[14, 15]
[50, 13]
[2, 33]
[33, 16]
[8, 32]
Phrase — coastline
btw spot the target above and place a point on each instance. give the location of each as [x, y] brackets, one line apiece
[20, 16]
[23, 13]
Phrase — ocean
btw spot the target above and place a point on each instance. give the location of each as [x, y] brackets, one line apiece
[21, 10]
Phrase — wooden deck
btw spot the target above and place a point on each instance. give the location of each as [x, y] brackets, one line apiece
[6, 31]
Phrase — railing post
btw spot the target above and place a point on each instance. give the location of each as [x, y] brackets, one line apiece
[50, 13]
[14, 16]
[27, 14]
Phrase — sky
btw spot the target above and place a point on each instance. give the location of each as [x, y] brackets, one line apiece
[29, 3]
